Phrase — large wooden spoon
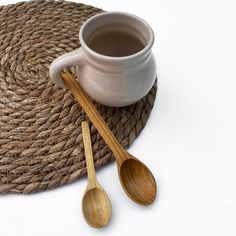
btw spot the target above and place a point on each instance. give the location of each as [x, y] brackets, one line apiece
[136, 179]
[95, 204]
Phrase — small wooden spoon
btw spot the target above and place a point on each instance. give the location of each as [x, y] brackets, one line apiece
[96, 204]
[136, 179]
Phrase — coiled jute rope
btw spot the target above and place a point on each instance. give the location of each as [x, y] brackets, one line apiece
[40, 125]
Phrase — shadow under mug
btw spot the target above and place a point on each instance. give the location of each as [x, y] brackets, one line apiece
[114, 64]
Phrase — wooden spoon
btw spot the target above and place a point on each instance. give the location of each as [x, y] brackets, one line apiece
[136, 179]
[96, 204]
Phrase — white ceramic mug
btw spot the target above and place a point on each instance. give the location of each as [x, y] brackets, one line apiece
[111, 80]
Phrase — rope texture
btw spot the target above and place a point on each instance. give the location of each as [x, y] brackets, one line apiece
[40, 125]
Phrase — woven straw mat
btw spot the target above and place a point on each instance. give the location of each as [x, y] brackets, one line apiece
[40, 125]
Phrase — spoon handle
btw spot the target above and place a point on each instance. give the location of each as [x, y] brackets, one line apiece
[92, 180]
[95, 117]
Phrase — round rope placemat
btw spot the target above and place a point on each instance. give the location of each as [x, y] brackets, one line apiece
[40, 125]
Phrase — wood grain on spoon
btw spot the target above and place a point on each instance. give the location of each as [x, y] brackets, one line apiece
[136, 179]
[95, 204]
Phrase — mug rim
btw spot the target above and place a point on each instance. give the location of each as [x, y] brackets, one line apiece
[143, 51]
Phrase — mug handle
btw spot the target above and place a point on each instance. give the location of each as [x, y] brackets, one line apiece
[68, 59]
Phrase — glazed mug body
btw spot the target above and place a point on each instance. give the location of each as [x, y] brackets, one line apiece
[111, 80]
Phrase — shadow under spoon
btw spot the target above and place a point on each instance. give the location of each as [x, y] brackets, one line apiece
[95, 204]
[136, 179]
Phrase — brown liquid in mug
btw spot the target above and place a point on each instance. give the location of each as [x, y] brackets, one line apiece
[115, 44]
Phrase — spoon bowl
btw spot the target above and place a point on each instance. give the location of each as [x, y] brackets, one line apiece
[96, 207]
[137, 181]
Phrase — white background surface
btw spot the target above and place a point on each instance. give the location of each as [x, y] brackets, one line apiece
[189, 141]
